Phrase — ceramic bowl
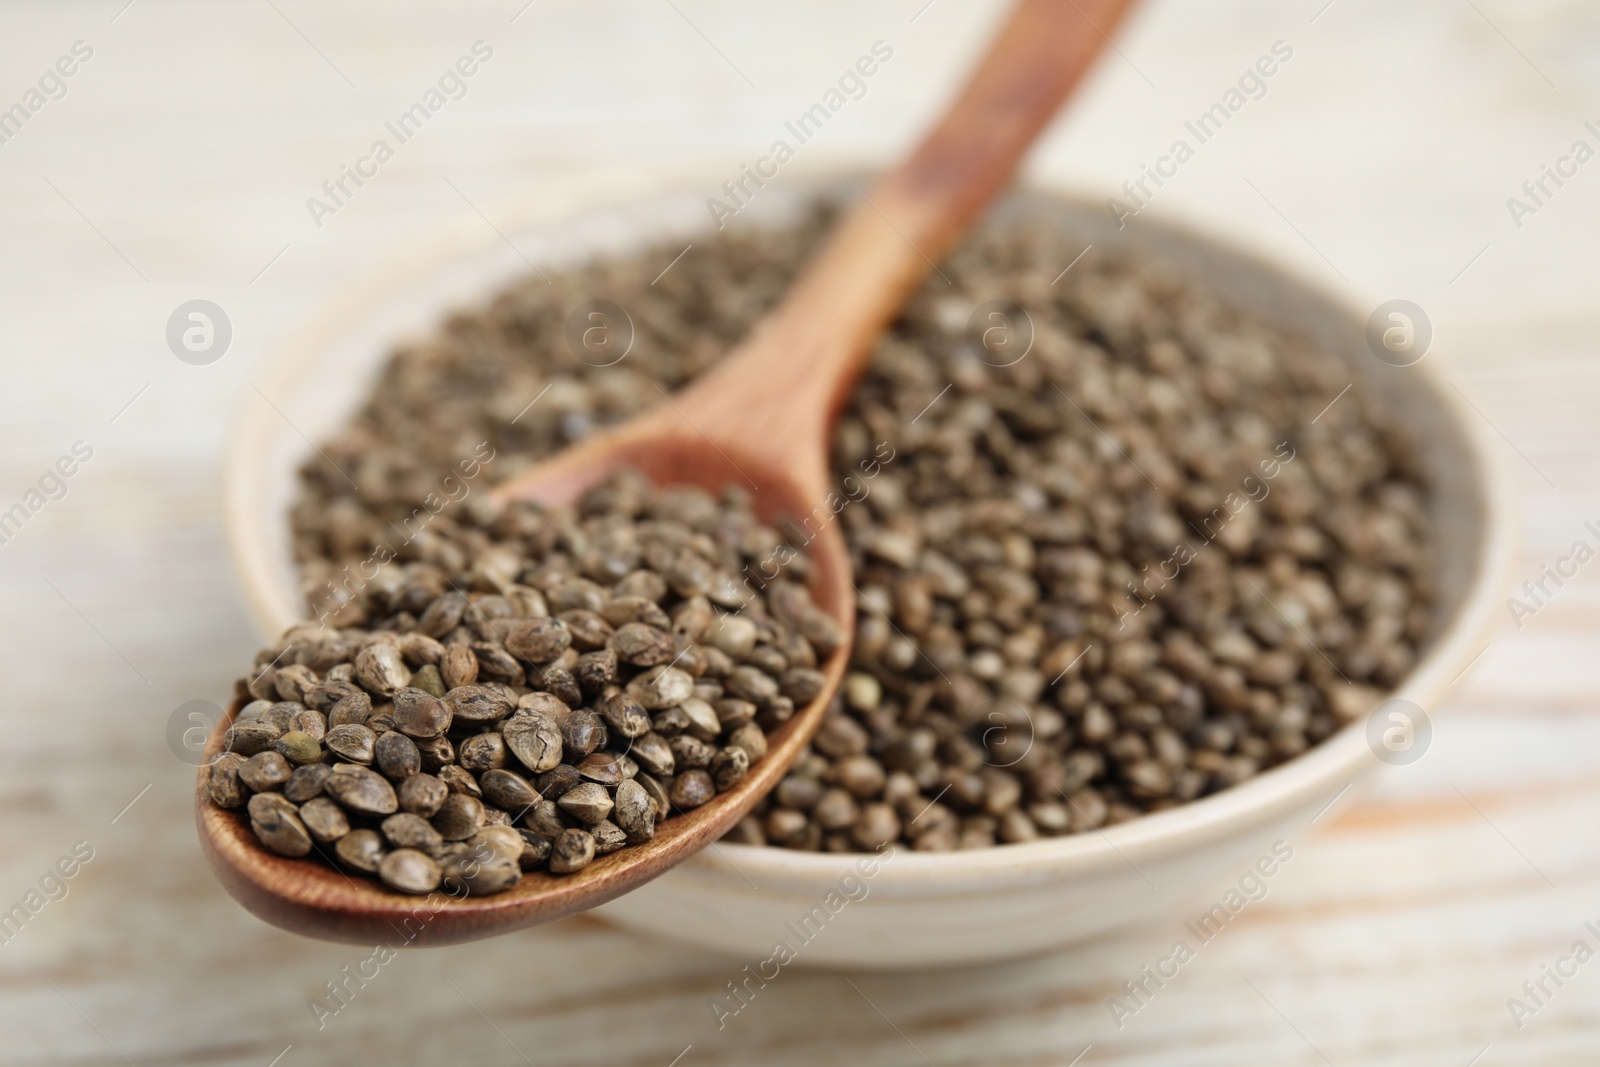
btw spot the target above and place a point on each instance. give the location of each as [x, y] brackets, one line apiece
[905, 909]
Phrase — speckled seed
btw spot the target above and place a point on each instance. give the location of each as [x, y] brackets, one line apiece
[659, 801]
[501, 841]
[223, 783]
[482, 752]
[581, 733]
[554, 783]
[691, 789]
[608, 837]
[545, 818]
[353, 743]
[361, 850]
[703, 721]
[508, 790]
[459, 817]
[535, 850]
[309, 722]
[476, 703]
[654, 754]
[538, 640]
[460, 781]
[625, 715]
[588, 802]
[306, 782]
[422, 794]
[750, 738]
[572, 851]
[396, 755]
[533, 739]
[728, 767]
[264, 771]
[458, 667]
[299, 747]
[324, 819]
[421, 714]
[607, 768]
[633, 811]
[249, 738]
[405, 830]
[277, 824]
[354, 709]
[360, 790]
[662, 687]
[409, 871]
[642, 645]
[481, 876]
[380, 670]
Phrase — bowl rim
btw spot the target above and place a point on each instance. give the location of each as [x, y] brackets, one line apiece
[1336, 763]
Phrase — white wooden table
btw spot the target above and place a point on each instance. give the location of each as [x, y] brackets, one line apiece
[177, 165]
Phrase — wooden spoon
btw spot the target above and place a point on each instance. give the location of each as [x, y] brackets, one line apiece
[760, 420]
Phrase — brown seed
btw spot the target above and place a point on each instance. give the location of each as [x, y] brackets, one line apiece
[538, 640]
[459, 817]
[359, 790]
[572, 851]
[434, 752]
[661, 687]
[508, 790]
[588, 802]
[624, 714]
[277, 825]
[360, 850]
[750, 738]
[690, 753]
[458, 667]
[422, 794]
[535, 850]
[482, 875]
[482, 752]
[324, 819]
[654, 754]
[409, 871]
[633, 811]
[396, 755]
[728, 768]
[877, 826]
[459, 780]
[407, 830]
[608, 837]
[420, 714]
[249, 738]
[607, 768]
[352, 743]
[380, 669]
[581, 734]
[554, 783]
[477, 704]
[306, 782]
[264, 771]
[352, 709]
[643, 645]
[534, 739]
[223, 783]
[691, 789]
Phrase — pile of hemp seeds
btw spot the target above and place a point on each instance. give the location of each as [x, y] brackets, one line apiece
[1159, 552]
[545, 693]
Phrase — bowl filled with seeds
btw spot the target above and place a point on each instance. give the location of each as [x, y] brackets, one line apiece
[1149, 545]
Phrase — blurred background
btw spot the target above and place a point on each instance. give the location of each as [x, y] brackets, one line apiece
[175, 164]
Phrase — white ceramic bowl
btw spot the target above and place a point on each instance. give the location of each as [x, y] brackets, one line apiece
[910, 909]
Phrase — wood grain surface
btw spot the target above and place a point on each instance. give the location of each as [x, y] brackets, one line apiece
[177, 166]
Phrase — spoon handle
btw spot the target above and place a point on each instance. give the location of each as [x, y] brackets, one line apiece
[789, 378]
